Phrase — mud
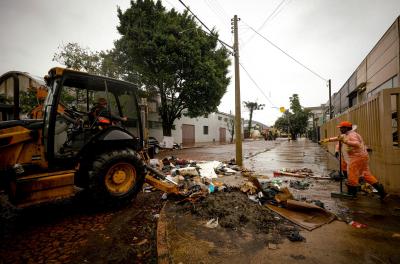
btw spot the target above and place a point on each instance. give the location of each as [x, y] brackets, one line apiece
[236, 211]
[72, 231]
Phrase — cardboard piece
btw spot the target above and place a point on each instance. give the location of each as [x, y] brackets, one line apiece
[308, 216]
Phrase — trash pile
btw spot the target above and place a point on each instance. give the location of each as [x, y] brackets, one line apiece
[267, 207]
[233, 210]
[195, 178]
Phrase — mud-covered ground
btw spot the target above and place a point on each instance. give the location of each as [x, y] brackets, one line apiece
[236, 211]
[73, 232]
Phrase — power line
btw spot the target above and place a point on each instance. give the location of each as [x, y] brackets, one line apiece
[215, 11]
[204, 25]
[221, 8]
[251, 78]
[287, 54]
[266, 20]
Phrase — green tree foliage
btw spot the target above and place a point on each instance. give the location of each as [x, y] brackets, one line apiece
[173, 58]
[295, 121]
[105, 63]
[78, 58]
[252, 106]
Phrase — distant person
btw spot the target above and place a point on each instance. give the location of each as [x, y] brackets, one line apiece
[357, 159]
[101, 110]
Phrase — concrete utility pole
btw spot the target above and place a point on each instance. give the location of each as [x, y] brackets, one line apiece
[330, 99]
[238, 118]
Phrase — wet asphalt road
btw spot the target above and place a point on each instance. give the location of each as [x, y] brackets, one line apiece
[72, 232]
[69, 232]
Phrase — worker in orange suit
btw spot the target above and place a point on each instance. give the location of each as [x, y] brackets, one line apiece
[356, 155]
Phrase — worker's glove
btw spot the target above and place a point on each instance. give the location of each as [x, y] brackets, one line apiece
[326, 140]
[337, 154]
[342, 138]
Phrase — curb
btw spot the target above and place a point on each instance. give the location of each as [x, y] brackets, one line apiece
[163, 256]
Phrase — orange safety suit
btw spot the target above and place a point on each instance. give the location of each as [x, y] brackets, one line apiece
[353, 146]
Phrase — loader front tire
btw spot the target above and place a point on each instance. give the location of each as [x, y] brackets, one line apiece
[115, 177]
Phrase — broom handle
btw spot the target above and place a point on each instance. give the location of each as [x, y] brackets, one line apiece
[340, 166]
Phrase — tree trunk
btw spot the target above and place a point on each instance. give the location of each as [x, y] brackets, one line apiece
[167, 129]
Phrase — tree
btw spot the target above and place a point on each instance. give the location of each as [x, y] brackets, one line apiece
[105, 63]
[174, 59]
[294, 122]
[78, 58]
[252, 106]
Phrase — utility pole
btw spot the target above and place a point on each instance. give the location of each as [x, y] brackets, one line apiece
[330, 99]
[238, 118]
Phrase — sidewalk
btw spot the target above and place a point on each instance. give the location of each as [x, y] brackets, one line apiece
[216, 143]
[187, 240]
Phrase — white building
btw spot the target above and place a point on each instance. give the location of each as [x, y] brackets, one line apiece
[216, 127]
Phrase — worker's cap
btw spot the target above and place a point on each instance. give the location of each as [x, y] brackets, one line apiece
[345, 124]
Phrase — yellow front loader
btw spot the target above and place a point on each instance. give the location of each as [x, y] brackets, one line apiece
[74, 147]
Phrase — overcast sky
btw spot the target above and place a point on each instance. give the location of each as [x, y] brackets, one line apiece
[330, 37]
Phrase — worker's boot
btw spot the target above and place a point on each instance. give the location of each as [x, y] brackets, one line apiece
[352, 190]
[381, 191]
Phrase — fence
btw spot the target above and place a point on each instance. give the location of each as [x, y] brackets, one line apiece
[377, 122]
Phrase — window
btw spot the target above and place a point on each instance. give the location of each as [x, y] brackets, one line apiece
[205, 130]
[220, 118]
[226, 119]
[173, 127]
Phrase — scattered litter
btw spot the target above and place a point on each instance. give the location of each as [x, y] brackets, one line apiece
[283, 195]
[318, 203]
[253, 198]
[187, 171]
[213, 223]
[207, 169]
[366, 187]
[164, 196]
[272, 246]
[396, 235]
[299, 173]
[156, 216]
[249, 188]
[357, 224]
[299, 185]
[211, 188]
[295, 236]
[308, 216]
[144, 241]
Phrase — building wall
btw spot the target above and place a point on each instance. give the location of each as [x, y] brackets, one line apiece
[214, 121]
[379, 70]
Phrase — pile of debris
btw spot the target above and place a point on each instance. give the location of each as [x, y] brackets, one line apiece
[195, 178]
[262, 207]
[233, 210]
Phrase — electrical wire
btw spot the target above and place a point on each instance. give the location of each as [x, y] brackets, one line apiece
[255, 83]
[287, 54]
[215, 11]
[204, 25]
[265, 21]
[218, 5]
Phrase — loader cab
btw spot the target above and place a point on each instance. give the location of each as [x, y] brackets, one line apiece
[75, 127]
